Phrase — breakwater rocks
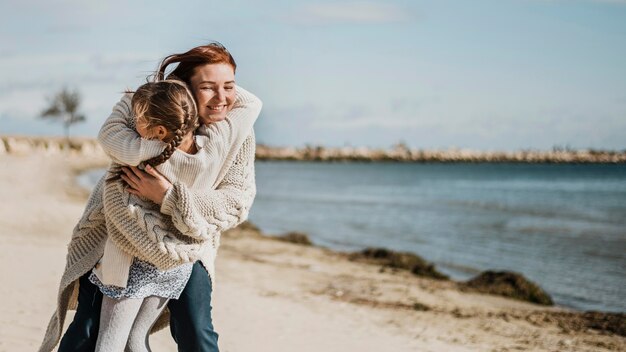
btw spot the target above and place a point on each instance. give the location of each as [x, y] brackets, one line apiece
[24, 145]
[401, 153]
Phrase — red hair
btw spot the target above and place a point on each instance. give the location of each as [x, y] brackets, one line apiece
[212, 53]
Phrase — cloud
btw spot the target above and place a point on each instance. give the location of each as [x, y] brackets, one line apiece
[398, 113]
[357, 124]
[78, 58]
[611, 1]
[125, 59]
[69, 28]
[619, 2]
[437, 122]
[350, 13]
[46, 70]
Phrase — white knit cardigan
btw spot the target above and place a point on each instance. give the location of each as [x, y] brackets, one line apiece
[221, 207]
[132, 219]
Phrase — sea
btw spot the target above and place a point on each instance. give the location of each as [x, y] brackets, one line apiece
[562, 226]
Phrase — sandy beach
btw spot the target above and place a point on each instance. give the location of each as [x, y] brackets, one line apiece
[270, 295]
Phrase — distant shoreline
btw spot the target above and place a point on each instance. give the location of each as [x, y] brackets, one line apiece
[11, 144]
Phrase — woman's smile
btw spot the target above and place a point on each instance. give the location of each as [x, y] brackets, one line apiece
[217, 107]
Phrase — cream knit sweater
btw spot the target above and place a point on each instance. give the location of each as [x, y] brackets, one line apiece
[132, 219]
[217, 208]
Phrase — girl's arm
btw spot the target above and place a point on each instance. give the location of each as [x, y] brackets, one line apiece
[121, 142]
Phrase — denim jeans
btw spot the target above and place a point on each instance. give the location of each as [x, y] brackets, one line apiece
[190, 316]
[82, 333]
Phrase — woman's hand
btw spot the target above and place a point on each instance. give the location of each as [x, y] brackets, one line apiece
[149, 184]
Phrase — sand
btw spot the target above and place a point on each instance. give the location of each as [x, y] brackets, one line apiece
[270, 295]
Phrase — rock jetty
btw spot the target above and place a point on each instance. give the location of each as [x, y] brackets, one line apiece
[401, 153]
[26, 145]
[398, 153]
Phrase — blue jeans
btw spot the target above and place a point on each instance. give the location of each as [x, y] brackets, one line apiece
[82, 333]
[190, 316]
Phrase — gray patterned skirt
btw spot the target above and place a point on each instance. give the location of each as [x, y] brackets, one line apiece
[144, 280]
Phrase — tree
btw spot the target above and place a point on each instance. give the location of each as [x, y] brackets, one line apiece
[64, 107]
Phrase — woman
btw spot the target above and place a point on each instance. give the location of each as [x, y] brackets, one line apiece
[209, 72]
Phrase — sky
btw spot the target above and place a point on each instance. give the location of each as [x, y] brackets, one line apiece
[482, 75]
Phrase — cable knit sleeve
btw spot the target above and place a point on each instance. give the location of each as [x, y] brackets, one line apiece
[143, 232]
[120, 141]
[209, 212]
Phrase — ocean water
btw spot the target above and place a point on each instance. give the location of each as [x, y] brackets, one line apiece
[562, 226]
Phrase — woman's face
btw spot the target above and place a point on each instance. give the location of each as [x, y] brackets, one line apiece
[214, 88]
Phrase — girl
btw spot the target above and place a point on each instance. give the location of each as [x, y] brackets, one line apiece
[135, 289]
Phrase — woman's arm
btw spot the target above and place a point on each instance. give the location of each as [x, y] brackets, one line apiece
[144, 232]
[217, 209]
[203, 213]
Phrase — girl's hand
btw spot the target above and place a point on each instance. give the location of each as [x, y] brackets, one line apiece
[149, 184]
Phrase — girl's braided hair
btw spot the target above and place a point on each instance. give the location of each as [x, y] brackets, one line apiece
[168, 103]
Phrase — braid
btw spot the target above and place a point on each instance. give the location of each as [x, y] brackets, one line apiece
[167, 152]
[190, 123]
